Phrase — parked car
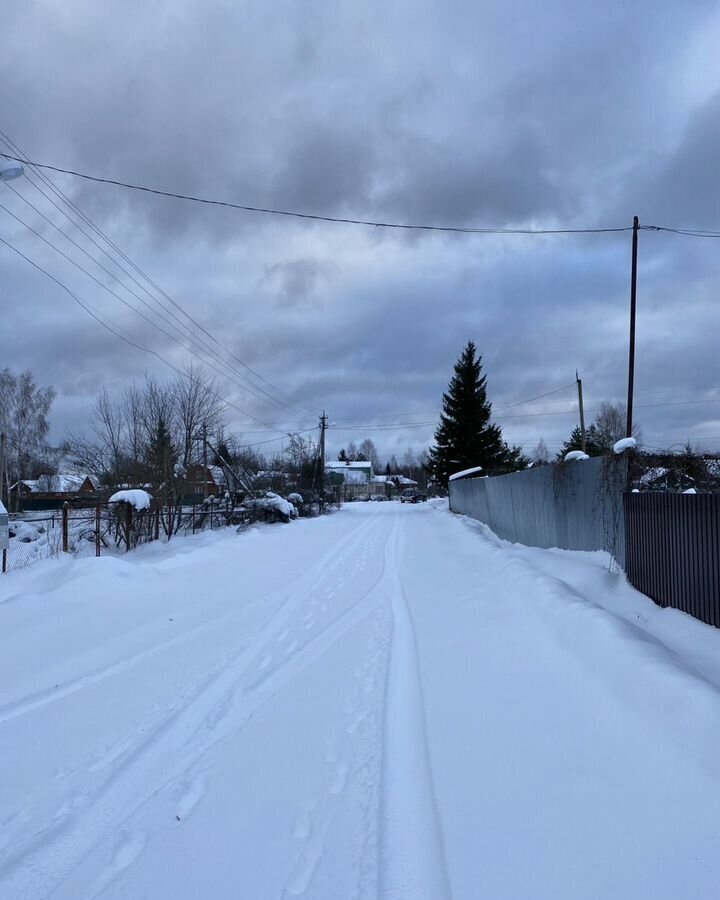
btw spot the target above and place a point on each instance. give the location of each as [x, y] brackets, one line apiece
[412, 495]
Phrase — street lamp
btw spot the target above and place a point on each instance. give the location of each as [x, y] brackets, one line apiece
[10, 169]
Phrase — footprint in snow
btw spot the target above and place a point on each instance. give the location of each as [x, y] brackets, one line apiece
[127, 850]
[337, 785]
[194, 792]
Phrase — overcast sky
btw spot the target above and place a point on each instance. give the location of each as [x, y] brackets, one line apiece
[552, 114]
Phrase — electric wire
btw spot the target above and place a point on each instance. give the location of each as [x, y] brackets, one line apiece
[113, 328]
[301, 407]
[194, 342]
[312, 216]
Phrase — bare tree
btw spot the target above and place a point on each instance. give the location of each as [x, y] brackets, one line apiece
[198, 407]
[24, 410]
[368, 450]
[611, 425]
[540, 455]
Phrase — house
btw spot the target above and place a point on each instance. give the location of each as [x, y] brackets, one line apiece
[51, 491]
[204, 481]
[354, 477]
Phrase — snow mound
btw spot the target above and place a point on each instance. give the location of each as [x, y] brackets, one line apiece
[690, 491]
[275, 502]
[624, 444]
[295, 499]
[575, 454]
[465, 472]
[137, 498]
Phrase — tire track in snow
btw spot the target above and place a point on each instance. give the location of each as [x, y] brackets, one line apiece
[412, 857]
[35, 871]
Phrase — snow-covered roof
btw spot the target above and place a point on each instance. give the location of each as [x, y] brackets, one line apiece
[63, 483]
[356, 464]
[137, 498]
[465, 473]
[406, 481]
[217, 473]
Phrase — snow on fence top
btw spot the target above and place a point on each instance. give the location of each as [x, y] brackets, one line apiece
[624, 444]
[575, 454]
[137, 498]
[465, 473]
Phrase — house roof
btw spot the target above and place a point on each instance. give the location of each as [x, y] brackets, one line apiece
[355, 464]
[62, 483]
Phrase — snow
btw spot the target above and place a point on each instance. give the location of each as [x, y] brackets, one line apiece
[575, 455]
[295, 499]
[385, 702]
[340, 466]
[275, 502]
[690, 491]
[628, 443]
[465, 472]
[137, 498]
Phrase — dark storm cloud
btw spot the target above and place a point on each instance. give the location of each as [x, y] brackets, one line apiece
[469, 113]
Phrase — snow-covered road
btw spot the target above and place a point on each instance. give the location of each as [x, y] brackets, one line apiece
[386, 702]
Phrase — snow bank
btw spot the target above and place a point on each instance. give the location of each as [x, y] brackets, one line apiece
[575, 454]
[625, 444]
[137, 498]
[465, 473]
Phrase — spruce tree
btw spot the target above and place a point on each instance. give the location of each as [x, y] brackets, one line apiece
[465, 437]
[161, 455]
[593, 442]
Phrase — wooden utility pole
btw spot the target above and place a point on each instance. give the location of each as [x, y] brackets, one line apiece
[205, 462]
[4, 493]
[323, 429]
[582, 412]
[633, 306]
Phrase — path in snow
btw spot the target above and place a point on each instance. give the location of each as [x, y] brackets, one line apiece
[382, 703]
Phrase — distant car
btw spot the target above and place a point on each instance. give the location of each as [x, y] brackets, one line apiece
[412, 495]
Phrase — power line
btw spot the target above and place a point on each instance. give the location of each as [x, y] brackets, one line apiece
[539, 397]
[113, 329]
[688, 232]
[319, 218]
[194, 342]
[298, 406]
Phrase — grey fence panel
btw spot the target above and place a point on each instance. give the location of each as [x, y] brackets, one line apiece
[673, 552]
[575, 505]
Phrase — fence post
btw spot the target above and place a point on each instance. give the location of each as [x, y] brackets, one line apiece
[97, 530]
[65, 537]
[128, 525]
[157, 522]
[4, 561]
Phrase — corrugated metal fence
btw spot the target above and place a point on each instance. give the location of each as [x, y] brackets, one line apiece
[673, 550]
[668, 543]
[573, 505]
